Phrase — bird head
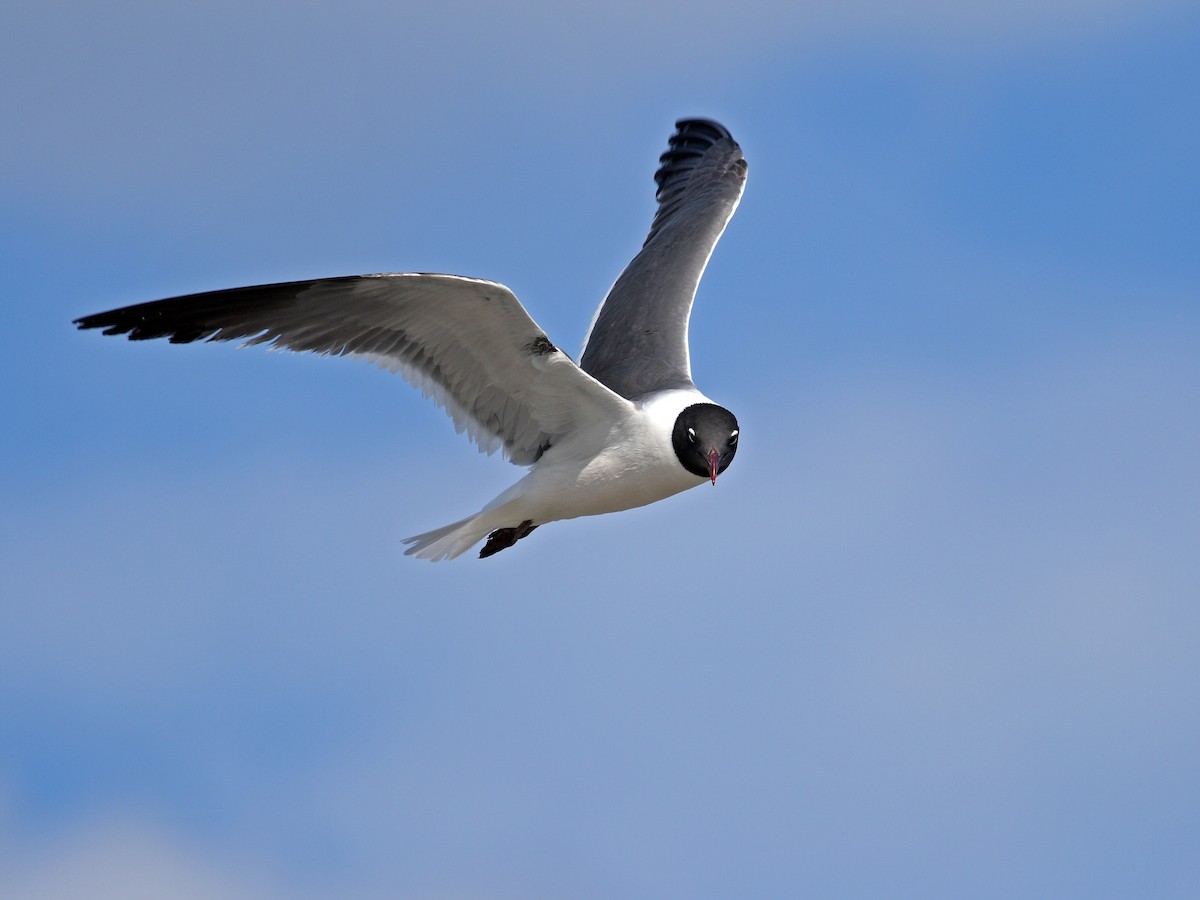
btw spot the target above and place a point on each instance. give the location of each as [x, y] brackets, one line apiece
[705, 439]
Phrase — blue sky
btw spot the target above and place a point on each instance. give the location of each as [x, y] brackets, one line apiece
[934, 635]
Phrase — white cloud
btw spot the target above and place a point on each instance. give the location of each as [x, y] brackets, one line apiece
[220, 91]
[951, 572]
[122, 859]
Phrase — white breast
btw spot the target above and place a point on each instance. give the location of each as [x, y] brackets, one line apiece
[630, 464]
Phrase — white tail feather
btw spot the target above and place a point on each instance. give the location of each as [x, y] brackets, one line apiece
[448, 541]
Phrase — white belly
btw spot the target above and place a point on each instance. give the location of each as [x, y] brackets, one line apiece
[634, 468]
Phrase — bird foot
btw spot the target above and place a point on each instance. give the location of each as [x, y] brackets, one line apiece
[503, 538]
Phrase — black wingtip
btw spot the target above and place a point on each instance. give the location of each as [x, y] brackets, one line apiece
[715, 130]
[137, 325]
[85, 322]
[224, 315]
[692, 139]
[110, 321]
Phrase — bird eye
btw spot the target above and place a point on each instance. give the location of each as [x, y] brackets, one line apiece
[692, 435]
[733, 436]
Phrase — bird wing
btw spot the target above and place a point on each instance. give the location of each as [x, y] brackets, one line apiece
[638, 340]
[466, 343]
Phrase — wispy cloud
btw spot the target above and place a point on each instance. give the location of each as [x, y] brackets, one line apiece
[121, 89]
[123, 859]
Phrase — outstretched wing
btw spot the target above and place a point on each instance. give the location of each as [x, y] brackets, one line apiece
[638, 341]
[467, 343]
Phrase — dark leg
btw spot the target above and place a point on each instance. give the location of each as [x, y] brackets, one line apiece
[503, 538]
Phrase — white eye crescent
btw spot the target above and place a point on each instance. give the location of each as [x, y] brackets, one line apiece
[733, 435]
[691, 434]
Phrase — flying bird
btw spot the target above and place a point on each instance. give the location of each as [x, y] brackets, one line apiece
[623, 428]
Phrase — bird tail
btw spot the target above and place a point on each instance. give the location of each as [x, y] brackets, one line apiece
[458, 537]
[448, 541]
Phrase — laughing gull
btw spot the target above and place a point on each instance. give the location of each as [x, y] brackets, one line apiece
[623, 428]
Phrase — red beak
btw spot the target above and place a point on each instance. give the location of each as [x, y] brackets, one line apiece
[713, 459]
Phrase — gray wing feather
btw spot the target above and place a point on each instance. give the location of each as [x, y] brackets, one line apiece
[638, 341]
[466, 343]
